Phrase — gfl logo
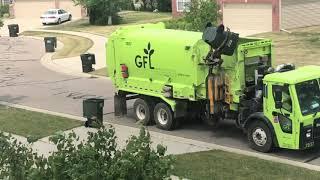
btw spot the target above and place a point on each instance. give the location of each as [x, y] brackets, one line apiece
[146, 59]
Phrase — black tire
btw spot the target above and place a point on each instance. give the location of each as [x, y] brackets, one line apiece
[163, 117]
[70, 18]
[260, 130]
[59, 21]
[143, 111]
[44, 24]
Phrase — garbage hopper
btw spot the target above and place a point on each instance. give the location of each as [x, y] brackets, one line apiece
[13, 30]
[93, 111]
[50, 43]
[87, 61]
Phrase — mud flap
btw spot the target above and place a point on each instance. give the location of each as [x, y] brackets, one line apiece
[120, 104]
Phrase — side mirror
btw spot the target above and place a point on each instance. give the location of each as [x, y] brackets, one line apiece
[277, 95]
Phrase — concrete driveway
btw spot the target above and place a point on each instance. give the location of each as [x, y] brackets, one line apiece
[24, 24]
[24, 81]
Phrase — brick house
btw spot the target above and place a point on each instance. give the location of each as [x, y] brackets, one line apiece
[34, 8]
[255, 16]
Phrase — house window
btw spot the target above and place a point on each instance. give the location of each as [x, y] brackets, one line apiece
[183, 5]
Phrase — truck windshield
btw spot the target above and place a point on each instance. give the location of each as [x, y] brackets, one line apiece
[309, 96]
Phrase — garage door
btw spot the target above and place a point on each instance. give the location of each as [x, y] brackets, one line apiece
[31, 8]
[299, 13]
[69, 6]
[248, 19]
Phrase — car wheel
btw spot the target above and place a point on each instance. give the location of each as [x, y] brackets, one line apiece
[260, 137]
[142, 111]
[59, 21]
[70, 18]
[44, 24]
[163, 117]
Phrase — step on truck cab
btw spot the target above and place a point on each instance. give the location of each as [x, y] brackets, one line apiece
[177, 75]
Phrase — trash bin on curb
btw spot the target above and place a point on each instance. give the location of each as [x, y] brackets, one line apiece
[13, 30]
[50, 43]
[87, 60]
[93, 111]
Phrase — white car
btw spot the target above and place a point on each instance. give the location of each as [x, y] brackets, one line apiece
[55, 16]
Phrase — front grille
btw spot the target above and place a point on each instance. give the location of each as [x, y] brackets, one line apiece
[316, 128]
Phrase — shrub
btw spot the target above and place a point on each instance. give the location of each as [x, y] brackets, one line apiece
[181, 24]
[96, 158]
[127, 5]
[164, 5]
[6, 15]
[201, 12]
[1, 23]
[99, 11]
[4, 9]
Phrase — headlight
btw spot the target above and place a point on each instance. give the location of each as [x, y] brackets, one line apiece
[308, 135]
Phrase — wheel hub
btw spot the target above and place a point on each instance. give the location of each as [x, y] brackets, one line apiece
[259, 137]
[141, 112]
[162, 116]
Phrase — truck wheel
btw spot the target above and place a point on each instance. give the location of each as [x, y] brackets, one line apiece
[259, 137]
[163, 116]
[142, 111]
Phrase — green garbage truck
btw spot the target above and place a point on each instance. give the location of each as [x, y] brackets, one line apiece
[212, 76]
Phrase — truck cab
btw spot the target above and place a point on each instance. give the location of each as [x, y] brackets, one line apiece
[291, 104]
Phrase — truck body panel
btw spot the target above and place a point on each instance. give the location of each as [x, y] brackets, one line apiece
[156, 57]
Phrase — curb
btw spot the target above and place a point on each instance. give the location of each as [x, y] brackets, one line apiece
[50, 64]
[204, 145]
[4, 103]
[47, 61]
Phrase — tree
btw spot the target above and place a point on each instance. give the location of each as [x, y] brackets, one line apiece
[100, 11]
[201, 12]
[164, 5]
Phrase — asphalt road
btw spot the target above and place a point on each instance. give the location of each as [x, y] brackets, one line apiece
[24, 81]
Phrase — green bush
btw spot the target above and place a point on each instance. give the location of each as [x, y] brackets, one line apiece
[99, 11]
[164, 5]
[1, 23]
[180, 24]
[96, 158]
[127, 5]
[4, 9]
[201, 12]
[6, 15]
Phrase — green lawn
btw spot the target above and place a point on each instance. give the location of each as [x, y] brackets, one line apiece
[128, 18]
[223, 165]
[72, 45]
[33, 124]
[300, 47]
